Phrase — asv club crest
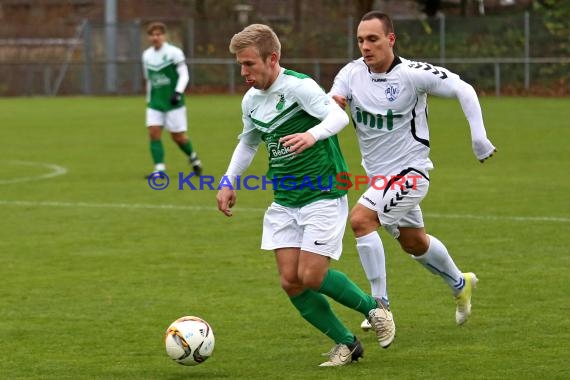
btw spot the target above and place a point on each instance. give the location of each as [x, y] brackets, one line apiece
[392, 92]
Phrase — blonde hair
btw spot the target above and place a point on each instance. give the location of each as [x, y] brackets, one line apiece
[260, 36]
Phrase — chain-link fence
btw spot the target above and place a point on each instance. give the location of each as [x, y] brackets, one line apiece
[507, 54]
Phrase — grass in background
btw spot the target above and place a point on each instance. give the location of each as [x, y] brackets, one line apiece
[95, 265]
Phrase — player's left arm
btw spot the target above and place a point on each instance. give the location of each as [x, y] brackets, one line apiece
[451, 85]
[320, 105]
[183, 77]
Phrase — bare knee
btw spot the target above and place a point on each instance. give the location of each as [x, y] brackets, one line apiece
[312, 278]
[363, 221]
[291, 284]
[179, 138]
[154, 132]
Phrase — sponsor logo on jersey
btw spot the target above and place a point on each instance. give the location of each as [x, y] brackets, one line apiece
[278, 151]
[159, 80]
[377, 121]
[392, 92]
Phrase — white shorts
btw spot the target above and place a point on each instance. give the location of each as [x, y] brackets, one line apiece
[173, 121]
[397, 202]
[317, 227]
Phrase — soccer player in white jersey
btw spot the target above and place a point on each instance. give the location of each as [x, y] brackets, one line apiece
[387, 96]
[305, 223]
[166, 76]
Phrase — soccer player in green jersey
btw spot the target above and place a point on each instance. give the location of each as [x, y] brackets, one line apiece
[166, 77]
[305, 223]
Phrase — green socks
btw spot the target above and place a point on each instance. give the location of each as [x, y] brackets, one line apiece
[157, 151]
[341, 289]
[186, 148]
[316, 310]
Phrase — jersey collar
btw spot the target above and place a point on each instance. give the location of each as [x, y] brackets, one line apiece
[395, 63]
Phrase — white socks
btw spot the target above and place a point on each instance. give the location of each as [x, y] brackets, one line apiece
[371, 252]
[437, 260]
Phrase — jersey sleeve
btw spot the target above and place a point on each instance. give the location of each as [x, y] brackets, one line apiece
[143, 59]
[435, 80]
[313, 99]
[183, 77]
[178, 56]
[250, 135]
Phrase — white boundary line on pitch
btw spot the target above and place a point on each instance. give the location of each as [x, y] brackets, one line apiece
[134, 206]
[56, 170]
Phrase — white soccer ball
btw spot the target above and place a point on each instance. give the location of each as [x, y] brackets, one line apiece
[189, 340]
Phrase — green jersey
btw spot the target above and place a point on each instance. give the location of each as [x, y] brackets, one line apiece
[161, 75]
[294, 104]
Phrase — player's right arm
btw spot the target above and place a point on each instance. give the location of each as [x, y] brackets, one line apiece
[145, 76]
[242, 157]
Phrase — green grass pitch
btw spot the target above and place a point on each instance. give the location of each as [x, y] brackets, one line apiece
[94, 264]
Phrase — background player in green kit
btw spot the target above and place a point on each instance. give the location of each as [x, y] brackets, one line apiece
[166, 77]
[304, 225]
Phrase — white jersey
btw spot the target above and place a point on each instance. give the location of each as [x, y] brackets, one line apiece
[389, 111]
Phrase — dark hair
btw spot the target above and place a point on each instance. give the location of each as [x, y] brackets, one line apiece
[156, 26]
[382, 17]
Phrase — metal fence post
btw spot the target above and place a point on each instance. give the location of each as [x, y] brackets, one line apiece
[87, 59]
[442, 40]
[497, 79]
[136, 51]
[47, 80]
[231, 77]
[350, 37]
[29, 79]
[526, 50]
[111, 46]
[317, 71]
[190, 44]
